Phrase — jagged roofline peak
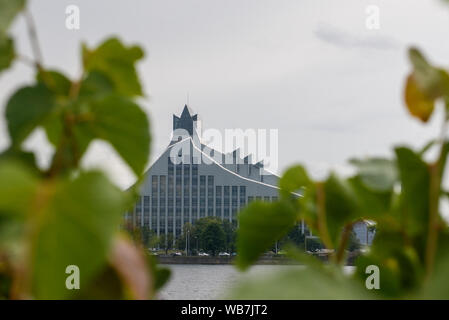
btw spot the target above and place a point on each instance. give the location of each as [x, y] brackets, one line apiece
[187, 112]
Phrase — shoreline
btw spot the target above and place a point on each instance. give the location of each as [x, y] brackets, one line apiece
[222, 260]
[264, 260]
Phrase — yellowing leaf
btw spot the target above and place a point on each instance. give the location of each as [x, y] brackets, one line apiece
[418, 104]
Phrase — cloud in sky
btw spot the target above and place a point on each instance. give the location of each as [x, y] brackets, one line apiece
[367, 40]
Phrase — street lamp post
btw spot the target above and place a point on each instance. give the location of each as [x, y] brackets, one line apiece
[187, 242]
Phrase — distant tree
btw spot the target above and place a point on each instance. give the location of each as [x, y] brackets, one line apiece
[230, 236]
[213, 237]
[166, 242]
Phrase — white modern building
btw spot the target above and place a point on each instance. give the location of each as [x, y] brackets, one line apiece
[190, 181]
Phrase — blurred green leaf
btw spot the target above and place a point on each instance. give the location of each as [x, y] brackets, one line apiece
[24, 158]
[27, 109]
[72, 216]
[293, 180]
[96, 83]
[161, 275]
[415, 184]
[6, 52]
[370, 204]
[117, 62]
[123, 124]
[55, 81]
[8, 11]
[299, 283]
[260, 225]
[17, 189]
[377, 174]
[341, 205]
[438, 285]
[399, 264]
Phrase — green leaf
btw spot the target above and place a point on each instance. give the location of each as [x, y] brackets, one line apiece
[55, 81]
[160, 275]
[27, 109]
[123, 124]
[21, 157]
[299, 283]
[415, 184]
[370, 204]
[260, 225]
[17, 189]
[377, 174]
[438, 285]
[341, 205]
[6, 52]
[118, 63]
[8, 11]
[398, 262]
[74, 225]
[294, 179]
[96, 83]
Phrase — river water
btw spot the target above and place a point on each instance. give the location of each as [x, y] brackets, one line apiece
[204, 282]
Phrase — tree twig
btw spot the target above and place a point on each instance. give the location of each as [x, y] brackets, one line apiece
[32, 33]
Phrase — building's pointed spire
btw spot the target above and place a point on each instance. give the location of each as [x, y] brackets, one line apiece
[185, 112]
[186, 121]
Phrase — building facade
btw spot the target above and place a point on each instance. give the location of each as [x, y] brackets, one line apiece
[190, 181]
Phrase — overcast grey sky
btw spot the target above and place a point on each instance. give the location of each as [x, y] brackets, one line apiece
[310, 68]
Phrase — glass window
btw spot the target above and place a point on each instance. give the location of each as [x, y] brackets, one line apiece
[242, 196]
[210, 195]
[138, 209]
[146, 211]
[226, 201]
[218, 200]
[186, 192]
[162, 199]
[154, 201]
[202, 196]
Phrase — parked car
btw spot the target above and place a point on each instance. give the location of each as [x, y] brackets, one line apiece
[224, 254]
[203, 254]
[176, 254]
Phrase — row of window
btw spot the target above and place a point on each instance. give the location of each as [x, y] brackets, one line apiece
[171, 205]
